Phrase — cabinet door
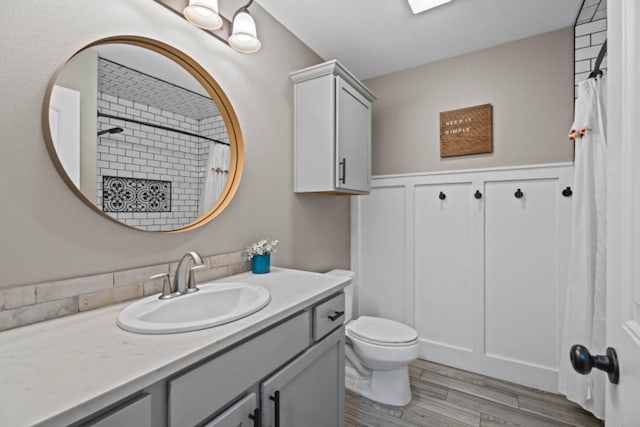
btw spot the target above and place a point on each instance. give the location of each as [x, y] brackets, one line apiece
[353, 139]
[309, 391]
[242, 414]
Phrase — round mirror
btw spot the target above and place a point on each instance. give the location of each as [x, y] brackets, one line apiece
[143, 134]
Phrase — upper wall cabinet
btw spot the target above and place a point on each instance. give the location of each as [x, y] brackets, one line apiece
[332, 131]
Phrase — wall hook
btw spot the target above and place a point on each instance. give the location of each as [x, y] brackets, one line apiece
[567, 192]
[442, 196]
[518, 194]
[478, 194]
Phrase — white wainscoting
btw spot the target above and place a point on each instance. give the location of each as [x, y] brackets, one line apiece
[481, 280]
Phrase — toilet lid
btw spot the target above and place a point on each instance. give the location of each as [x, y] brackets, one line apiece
[383, 331]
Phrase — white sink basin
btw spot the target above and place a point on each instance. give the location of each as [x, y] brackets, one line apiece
[215, 304]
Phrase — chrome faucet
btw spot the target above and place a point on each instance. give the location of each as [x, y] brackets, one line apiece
[179, 287]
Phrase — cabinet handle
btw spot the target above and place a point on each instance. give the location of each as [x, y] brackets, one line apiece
[478, 194]
[343, 171]
[518, 194]
[336, 315]
[255, 417]
[567, 192]
[276, 401]
[442, 196]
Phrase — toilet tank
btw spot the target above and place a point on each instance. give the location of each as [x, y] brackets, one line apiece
[348, 292]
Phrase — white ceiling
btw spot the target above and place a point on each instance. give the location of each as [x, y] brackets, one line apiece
[376, 37]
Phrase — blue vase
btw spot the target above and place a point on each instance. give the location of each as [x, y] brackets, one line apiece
[260, 264]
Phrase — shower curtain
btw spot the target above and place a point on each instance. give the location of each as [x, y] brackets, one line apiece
[585, 309]
[216, 173]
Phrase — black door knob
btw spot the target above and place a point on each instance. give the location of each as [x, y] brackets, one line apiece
[518, 194]
[442, 196]
[582, 361]
[478, 194]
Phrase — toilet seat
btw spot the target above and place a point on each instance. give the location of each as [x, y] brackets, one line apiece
[384, 332]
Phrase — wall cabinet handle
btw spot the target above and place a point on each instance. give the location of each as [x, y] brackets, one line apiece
[567, 192]
[276, 401]
[518, 194]
[478, 195]
[335, 316]
[343, 171]
[442, 196]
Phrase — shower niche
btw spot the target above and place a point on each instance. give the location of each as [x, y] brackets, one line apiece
[143, 134]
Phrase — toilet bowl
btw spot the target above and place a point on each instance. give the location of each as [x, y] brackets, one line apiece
[378, 352]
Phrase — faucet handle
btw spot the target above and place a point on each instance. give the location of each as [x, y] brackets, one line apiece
[191, 283]
[166, 285]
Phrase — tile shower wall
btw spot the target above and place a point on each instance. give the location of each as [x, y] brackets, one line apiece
[146, 152]
[590, 35]
[24, 305]
[211, 127]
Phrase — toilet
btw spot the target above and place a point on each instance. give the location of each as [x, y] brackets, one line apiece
[378, 352]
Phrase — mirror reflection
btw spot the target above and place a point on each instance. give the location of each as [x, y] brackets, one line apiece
[139, 136]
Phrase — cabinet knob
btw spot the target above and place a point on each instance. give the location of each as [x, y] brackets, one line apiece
[442, 196]
[567, 192]
[478, 195]
[582, 362]
[518, 194]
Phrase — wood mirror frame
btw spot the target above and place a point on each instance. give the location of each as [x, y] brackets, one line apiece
[213, 89]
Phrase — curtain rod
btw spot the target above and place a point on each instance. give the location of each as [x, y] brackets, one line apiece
[110, 116]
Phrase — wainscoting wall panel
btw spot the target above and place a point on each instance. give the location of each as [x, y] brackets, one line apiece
[481, 275]
[521, 259]
[443, 274]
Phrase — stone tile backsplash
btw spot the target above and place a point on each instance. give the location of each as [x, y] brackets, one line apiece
[23, 305]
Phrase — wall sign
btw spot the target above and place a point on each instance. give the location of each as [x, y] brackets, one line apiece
[466, 131]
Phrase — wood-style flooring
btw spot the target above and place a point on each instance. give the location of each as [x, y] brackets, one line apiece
[444, 396]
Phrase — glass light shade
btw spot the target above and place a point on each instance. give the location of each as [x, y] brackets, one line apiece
[244, 37]
[203, 14]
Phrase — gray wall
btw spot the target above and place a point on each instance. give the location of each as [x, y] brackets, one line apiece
[47, 233]
[529, 82]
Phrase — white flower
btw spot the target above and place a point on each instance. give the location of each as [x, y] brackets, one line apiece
[261, 247]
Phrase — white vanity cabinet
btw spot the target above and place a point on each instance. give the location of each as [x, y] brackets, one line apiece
[332, 131]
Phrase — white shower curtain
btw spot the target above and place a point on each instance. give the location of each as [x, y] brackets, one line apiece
[216, 173]
[585, 310]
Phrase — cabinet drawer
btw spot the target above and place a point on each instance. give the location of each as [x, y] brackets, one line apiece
[327, 316]
[200, 392]
[136, 413]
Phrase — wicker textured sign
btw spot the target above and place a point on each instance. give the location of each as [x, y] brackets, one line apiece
[466, 131]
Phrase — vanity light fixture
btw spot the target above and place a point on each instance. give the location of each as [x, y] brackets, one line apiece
[419, 6]
[244, 37]
[203, 14]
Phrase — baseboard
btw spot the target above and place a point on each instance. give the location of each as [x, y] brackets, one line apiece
[538, 377]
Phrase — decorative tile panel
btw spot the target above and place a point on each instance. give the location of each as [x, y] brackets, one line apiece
[135, 195]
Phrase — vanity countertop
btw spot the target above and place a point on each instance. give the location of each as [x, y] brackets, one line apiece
[64, 369]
